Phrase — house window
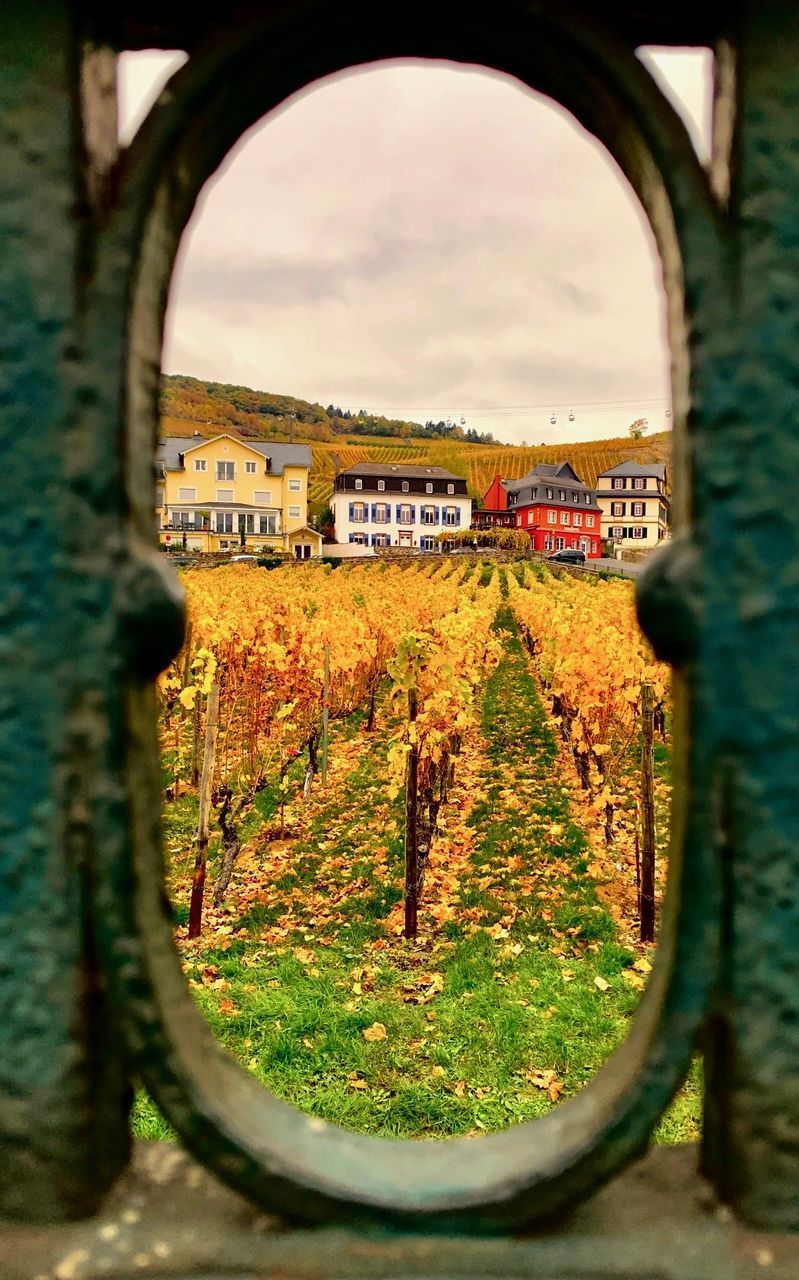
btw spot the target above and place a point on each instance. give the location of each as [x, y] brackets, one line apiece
[565, 518]
[560, 543]
[359, 484]
[638, 509]
[199, 464]
[617, 531]
[529, 515]
[578, 518]
[428, 515]
[302, 551]
[450, 515]
[249, 467]
[357, 511]
[246, 522]
[562, 494]
[381, 540]
[550, 493]
[589, 522]
[618, 482]
[262, 497]
[427, 543]
[405, 516]
[548, 542]
[450, 488]
[381, 515]
[224, 495]
[187, 495]
[639, 531]
[295, 513]
[224, 521]
[588, 499]
[428, 488]
[405, 486]
[226, 471]
[381, 486]
[575, 497]
[639, 484]
[594, 547]
[183, 519]
[295, 485]
[267, 525]
[552, 517]
[617, 508]
[359, 538]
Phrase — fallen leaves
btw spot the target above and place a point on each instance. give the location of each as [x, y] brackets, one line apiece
[376, 1032]
[547, 1081]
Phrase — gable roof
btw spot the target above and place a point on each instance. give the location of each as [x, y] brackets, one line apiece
[562, 472]
[630, 468]
[170, 449]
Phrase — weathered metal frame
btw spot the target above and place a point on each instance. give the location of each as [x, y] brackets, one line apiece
[287, 1161]
[85, 326]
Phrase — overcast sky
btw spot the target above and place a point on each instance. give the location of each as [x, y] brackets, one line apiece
[425, 240]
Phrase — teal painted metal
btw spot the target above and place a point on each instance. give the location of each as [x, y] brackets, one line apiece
[91, 616]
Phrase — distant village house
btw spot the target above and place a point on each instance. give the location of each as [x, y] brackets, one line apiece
[551, 504]
[223, 493]
[635, 504]
[382, 505]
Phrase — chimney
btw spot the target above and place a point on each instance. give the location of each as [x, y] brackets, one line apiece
[196, 436]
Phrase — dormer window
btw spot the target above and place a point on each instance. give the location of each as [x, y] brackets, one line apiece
[575, 497]
[381, 486]
[405, 486]
[428, 487]
[550, 494]
[618, 482]
[450, 488]
[359, 484]
[562, 494]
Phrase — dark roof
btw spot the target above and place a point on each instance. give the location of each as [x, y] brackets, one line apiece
[561, 472]
[281, 455]
[629, 468]
[400, 470]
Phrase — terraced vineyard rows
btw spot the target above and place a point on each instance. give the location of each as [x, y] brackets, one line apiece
[478, 463]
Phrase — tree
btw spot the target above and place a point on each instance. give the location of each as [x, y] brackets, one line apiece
[638, 428]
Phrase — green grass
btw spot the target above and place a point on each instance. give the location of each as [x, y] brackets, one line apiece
[306, 960]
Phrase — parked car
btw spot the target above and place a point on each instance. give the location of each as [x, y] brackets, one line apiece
[244, 559]
[569, 555]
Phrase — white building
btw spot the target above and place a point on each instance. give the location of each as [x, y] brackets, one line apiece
[380, 505]
[635, 505]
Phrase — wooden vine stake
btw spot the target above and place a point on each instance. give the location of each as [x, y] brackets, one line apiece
[647, 815]
[203, 822]
[325, 713]
[411, 825]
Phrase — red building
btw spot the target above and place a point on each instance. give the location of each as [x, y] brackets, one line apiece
[494, 511]
[551, 504]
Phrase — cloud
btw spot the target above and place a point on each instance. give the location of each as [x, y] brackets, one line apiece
[425, 233]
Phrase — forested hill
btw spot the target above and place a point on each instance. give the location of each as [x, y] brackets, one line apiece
[189, 405]
[260, 414]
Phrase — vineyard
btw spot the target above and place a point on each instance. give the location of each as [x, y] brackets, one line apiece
[413, 791]
[478, 463]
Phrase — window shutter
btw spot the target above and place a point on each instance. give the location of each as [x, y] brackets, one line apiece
[399, 513]
[352, 510]
[352, 537]
[438, 515]
[374, 516]
[413, 515]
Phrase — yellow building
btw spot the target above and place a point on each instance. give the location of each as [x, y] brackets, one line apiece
[225, 494]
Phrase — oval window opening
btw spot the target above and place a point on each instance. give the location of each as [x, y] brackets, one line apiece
[416, 752]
